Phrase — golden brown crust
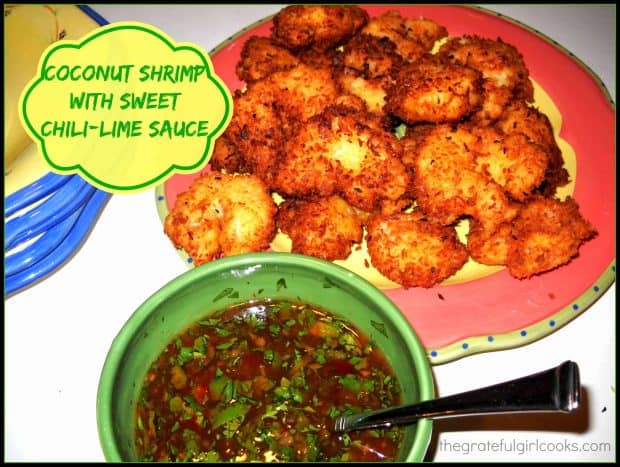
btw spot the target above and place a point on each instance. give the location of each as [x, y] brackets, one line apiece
[370, 90]
[322, 227]
[414, 136]
[412, 251]
[448, 185]
[256, 129]
[490, 247]
[495, 99]
[545, 234]
[260, 57]
[502, 67]
[317, 59]
[412, 37]
[434, 90]
[225, 156]
[341, 151]
[498, 61]
[519, 117]
[222, 215]
[512, 161]
[371, 56]
[271, 108]
[548, 233]
[318, 27]
[302, 92]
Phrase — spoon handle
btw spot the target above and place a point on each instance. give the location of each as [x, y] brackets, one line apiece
[555, 390]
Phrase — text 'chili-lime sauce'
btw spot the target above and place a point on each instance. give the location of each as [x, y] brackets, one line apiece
[265, 381]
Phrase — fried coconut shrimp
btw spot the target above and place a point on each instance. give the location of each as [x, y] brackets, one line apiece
[365, 69]
[318, 27]
[370, 90]
[270, 109]
[225, 156]
[254, 134]
[521, 118]
[491, 247]
[222, 215]
[434, 90]
[409, 249]
[260, 57]
[342, 151]
[503, 69]
[371, 56]
[318, 59]
[546, 234]
[321, 227]
[303, 92]
[413, 137]
[412, 37]
[448, 184]
[512, 161]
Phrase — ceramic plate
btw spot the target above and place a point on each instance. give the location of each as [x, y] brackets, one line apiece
[23, 164]
[482, 308]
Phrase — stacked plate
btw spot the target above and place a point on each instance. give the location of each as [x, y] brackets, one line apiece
[47, 216]
[45, 223]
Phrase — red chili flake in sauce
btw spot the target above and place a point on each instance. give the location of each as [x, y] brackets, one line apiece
[264, 381]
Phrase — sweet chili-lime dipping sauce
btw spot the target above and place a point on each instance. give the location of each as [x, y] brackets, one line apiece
[265, 381]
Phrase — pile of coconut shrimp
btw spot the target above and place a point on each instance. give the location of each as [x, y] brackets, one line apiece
[383, 129]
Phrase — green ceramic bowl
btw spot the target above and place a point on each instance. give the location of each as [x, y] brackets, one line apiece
[213, 286]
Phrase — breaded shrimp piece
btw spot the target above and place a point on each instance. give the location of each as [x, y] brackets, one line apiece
[549, 233]
[381, 179]
[412, 37]
[225, 156]
[389, 207]
[270, 109]
[370, 90]
[256, 129]
[301, 93]
[498, 61]
[260, 57]
[222, 215]
[426, 31]
[434, 90]
[341, 151]
[321, 227]
[414, 135]
[317, 59]
[495, 99]
[490, 247]
[512, 161]
[545, 234]
[351, 101]
[371, 56]
[502, 67]
[521, 118]
[319, 27]
[447, 184]
[413, 251]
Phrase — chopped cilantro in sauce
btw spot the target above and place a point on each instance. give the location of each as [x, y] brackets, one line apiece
[264, 381]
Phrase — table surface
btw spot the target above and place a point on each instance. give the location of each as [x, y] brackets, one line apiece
[58, 332]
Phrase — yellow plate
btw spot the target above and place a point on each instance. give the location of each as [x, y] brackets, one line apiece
[28, 31]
